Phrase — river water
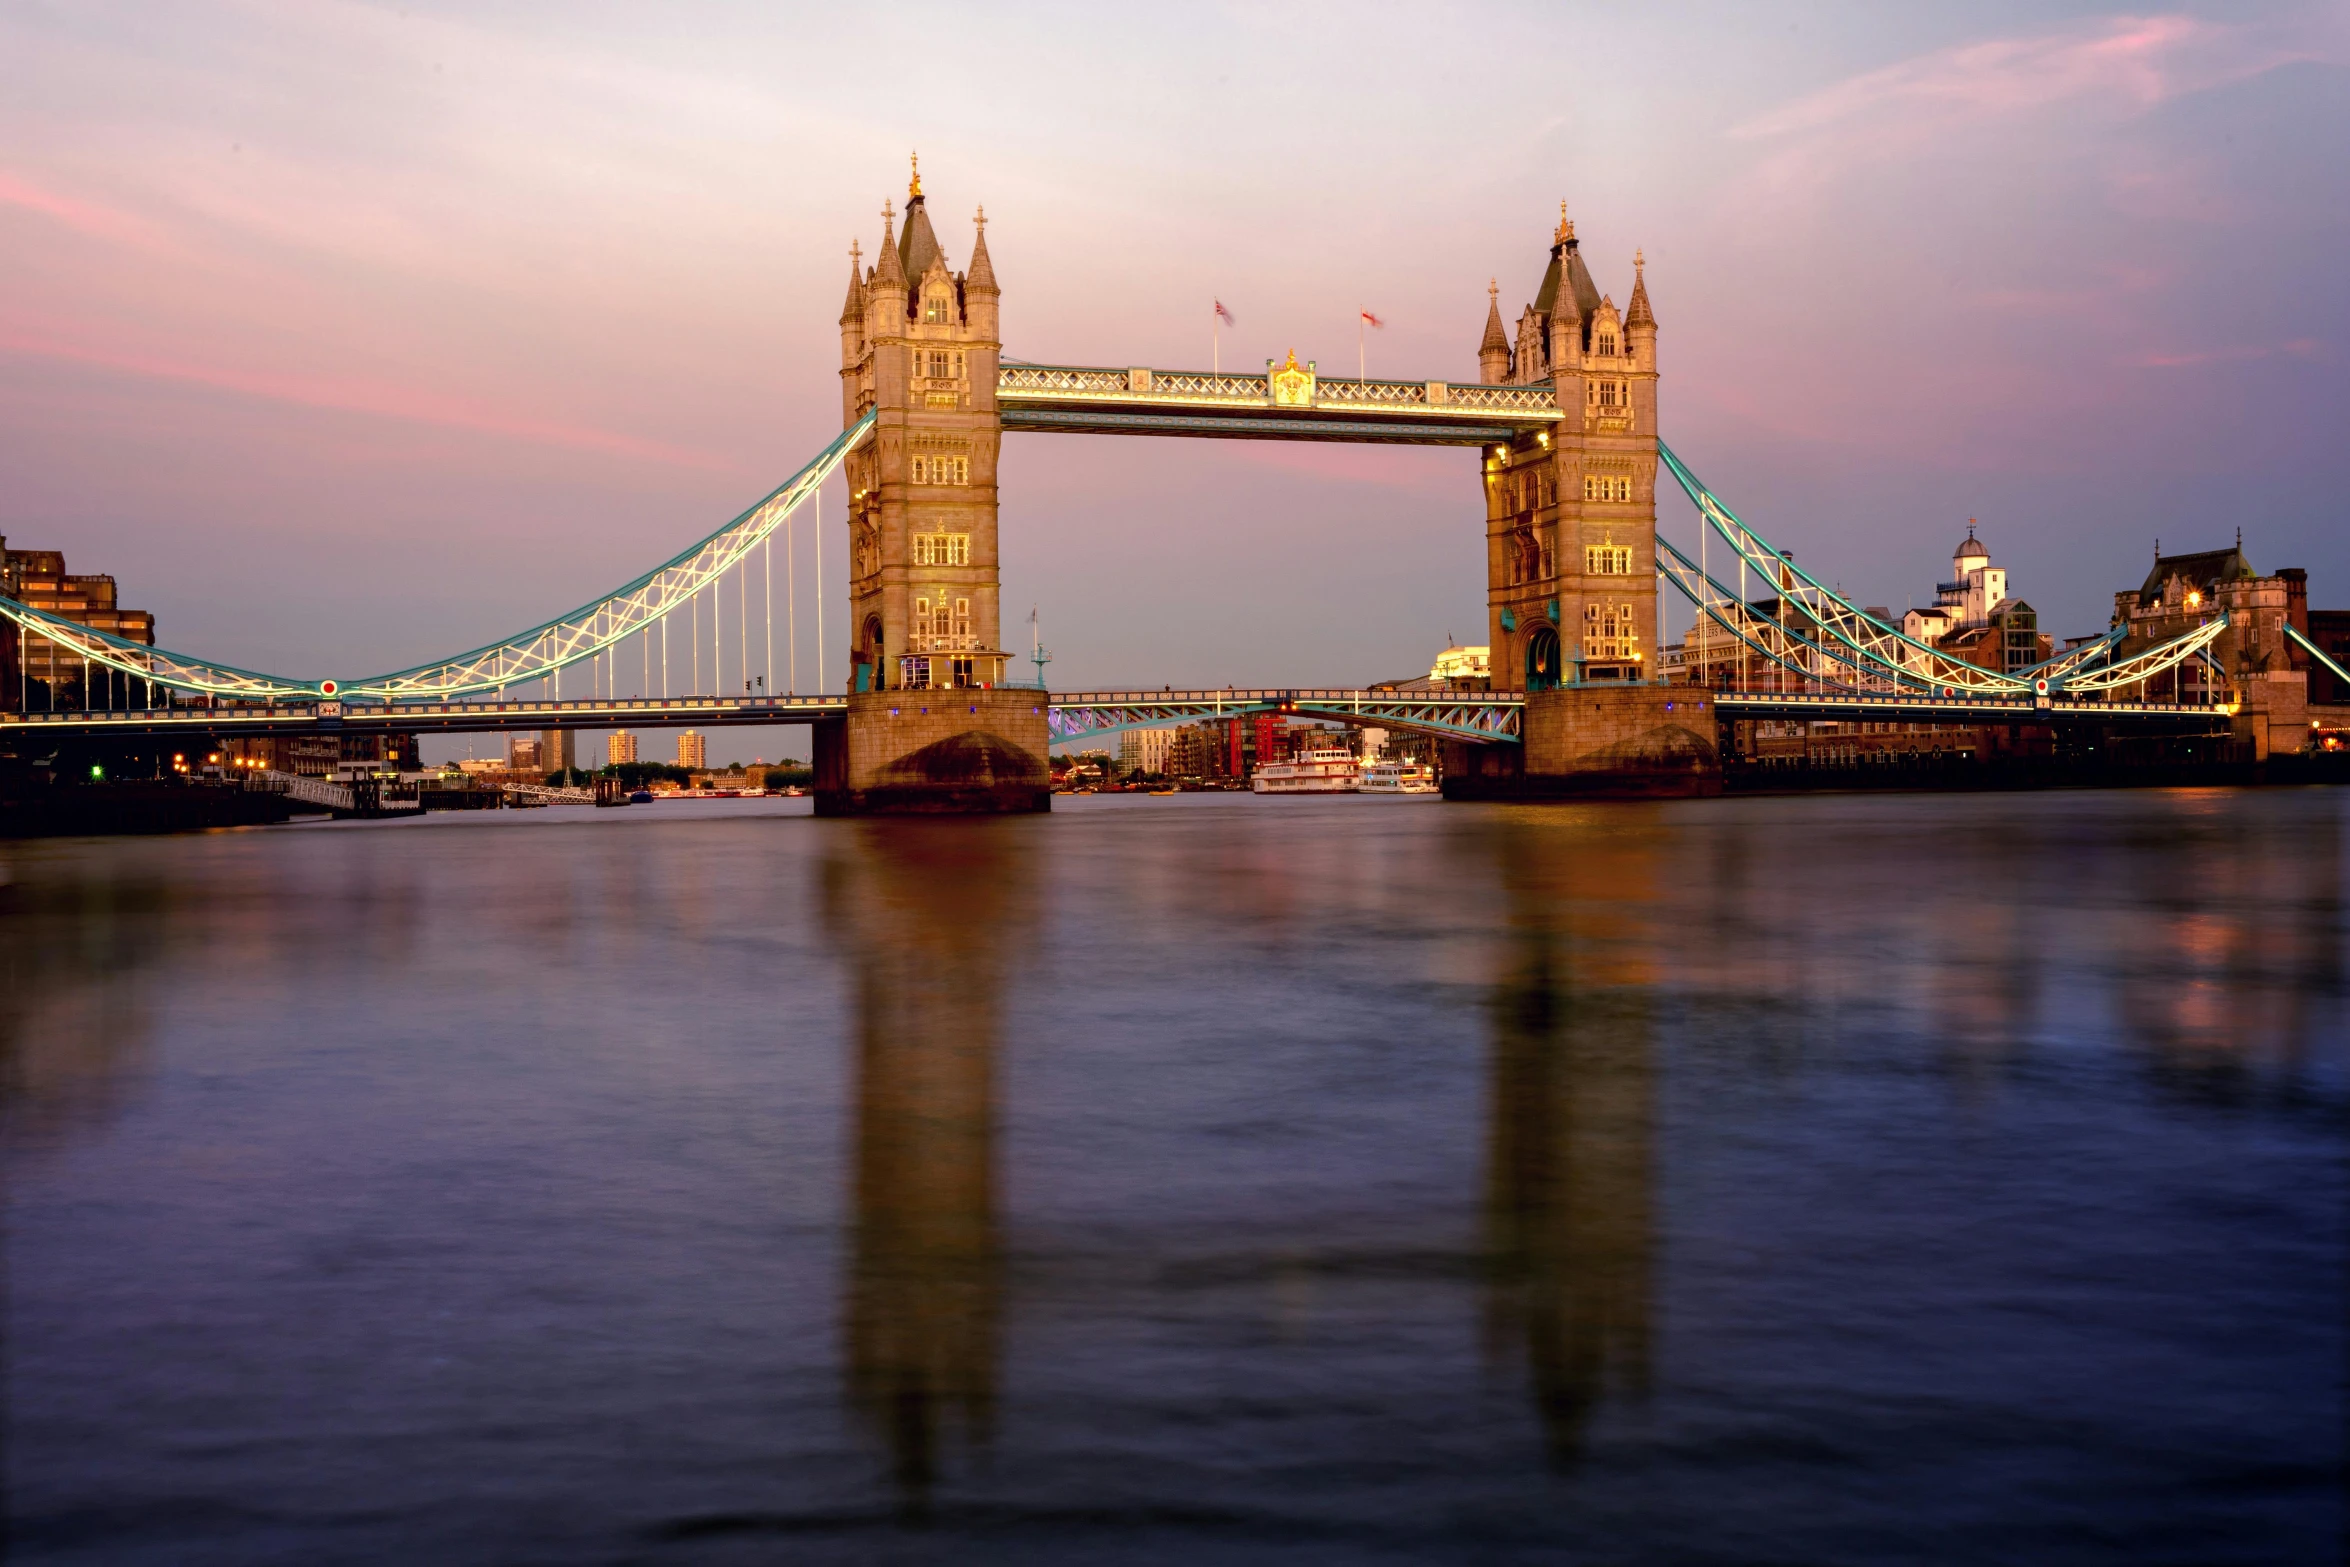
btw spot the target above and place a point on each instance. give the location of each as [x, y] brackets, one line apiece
[1839, 1179]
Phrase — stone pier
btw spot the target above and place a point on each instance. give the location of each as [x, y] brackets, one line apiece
[1604, 742]
[944, 752]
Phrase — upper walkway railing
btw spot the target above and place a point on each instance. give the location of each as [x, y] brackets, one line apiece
[1291, 403]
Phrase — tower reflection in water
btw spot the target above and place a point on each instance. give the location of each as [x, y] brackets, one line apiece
[1569, 1227]
[932, 911]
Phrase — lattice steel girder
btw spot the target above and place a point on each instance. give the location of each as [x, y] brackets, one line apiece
[2314, 651]
[158, 666]
[1677, 569]
[1265, 426]
[590, 629]
[1022, 388]
[1902, 658]
[2156, 660]
[1489, 719]
[1824, 706]
[1835, 615]
[542, 650]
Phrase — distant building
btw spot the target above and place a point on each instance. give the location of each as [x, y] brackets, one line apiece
[1461, 663]
[327, 755]
[620, 747]
[693, 749]
[1146, 751]
[558, 750]
[1964, 603]
[523, 754]
[37, 673]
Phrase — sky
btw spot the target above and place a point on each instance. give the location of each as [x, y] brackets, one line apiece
[348, 336]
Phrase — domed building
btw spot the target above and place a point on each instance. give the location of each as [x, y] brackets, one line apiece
[1974, 592]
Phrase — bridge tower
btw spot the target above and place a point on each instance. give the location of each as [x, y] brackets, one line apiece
[1570, 541]
[930, 726]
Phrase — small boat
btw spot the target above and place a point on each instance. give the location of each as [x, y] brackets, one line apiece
[1398, 778]
[1329, 771]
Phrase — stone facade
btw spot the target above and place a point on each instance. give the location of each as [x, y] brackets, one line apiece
[38, 673]
[1570, 529]
[927, 729]
[1591, 742]
[919, 348]
[914, 753]
[2269, 690]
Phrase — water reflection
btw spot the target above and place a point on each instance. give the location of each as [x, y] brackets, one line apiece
[929, 912]
[1569, 1222]
[2234, 952]
[76, 1017]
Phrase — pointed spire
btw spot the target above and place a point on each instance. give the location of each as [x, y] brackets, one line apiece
[981, 278]
[1638, 313]
[919, 248]
[853, 308]
[1566, 228]
[1495, 337]
[888, 273]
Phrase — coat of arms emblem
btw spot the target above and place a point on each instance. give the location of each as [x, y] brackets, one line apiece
[1292, 384]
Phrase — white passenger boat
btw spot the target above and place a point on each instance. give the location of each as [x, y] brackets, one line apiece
[1313, 772]
[1398, 778]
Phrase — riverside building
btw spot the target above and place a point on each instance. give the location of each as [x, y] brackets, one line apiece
[36, 673]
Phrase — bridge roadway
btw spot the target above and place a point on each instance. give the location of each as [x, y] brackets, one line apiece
[1487, 718]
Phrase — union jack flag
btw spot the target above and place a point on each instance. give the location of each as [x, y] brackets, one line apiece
[1224, 315]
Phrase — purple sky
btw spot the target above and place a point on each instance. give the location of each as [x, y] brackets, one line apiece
[349, 336]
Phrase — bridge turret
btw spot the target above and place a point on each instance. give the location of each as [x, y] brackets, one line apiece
[852, 337]
[980, 294]
[885, 289]
[1639, 319]
[1493, 354]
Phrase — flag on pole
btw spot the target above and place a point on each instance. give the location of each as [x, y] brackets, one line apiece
[1224, 315]
[1374, 320]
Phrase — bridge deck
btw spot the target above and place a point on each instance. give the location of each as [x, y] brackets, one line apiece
[1488, 717]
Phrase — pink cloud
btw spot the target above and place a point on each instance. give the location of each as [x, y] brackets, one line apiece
[354, 396]
[2128, 64]
[84, 217]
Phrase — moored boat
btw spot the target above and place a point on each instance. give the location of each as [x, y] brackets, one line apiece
[1313, 772]
[1398, 778]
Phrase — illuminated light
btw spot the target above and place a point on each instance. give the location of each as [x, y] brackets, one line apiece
[2194, 597]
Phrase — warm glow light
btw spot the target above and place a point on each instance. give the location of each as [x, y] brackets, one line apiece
[2194, 597]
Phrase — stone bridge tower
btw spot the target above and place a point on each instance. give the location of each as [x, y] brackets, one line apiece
[1570, 555]
[929, 727]
[1571, 516]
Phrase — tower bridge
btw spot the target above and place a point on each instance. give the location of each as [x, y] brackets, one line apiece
[1563, 417]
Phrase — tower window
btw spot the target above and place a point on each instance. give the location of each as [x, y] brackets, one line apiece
[1608, 560]
[1608, 631]
[1607, 487]
[1607, 342]
[939, 308]
[940, 470]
